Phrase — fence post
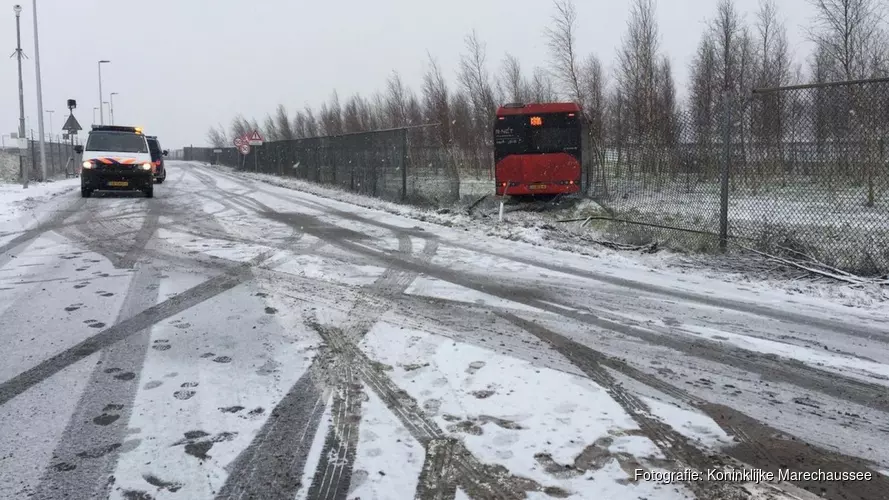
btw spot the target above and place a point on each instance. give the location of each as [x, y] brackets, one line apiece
[726, 168]
[404, 159]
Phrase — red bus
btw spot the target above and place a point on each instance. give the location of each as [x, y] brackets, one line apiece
[537, 149]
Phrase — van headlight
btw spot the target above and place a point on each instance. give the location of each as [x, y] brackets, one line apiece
[87, 164]
[146, 166]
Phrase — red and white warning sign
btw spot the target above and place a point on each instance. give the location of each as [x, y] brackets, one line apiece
[239, 141]
[244, 149]
[254, 139]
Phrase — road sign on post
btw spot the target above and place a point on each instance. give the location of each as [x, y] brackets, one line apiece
[239, 141]
[71, 127]
[244, 149]
[254, 139]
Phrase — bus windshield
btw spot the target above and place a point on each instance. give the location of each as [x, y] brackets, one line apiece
[556, 133]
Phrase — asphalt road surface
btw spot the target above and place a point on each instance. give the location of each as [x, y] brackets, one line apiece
[231, 339]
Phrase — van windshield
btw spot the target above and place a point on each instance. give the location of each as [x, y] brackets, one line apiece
[116, 141]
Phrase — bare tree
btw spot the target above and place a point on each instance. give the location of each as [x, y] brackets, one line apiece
[637, 68]
[436, 100]
[269, 129]
[542, 88]
[377, 108]
[299, 125]
[333, 122]
[396, 100]
[240, 126]
[511, 83]
[562, 41]
[476, 82]
[311, 123]
[727, 32]
[216, 137]
[851, 34]
[285, 130]
[704, 99]
[463, 130]
[353, 121]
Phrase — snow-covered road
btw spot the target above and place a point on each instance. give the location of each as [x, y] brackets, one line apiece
[234, 339]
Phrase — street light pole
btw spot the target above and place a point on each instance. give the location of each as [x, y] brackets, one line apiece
[23, 168]
[50, 112]
[111, 107]
[94, 114]
[39, 97]
[101, 107]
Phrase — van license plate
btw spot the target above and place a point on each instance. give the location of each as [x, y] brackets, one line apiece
[121, 184]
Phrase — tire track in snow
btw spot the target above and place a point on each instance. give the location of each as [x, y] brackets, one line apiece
[760, 445]
[438, 479]
[102, 414]
[334, 473]
[56, 221]
[477, 479]
[328, 374]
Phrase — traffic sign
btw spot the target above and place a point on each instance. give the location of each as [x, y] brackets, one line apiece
[217, 150]
[239, 142]
[255, 139]
[71, 125]
[245, 149]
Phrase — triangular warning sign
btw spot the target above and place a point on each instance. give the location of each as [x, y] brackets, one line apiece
[71, 124]
[255, 136]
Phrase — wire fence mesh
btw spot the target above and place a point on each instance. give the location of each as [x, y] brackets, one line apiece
[59, 156]
[799, 171]
[803, 171]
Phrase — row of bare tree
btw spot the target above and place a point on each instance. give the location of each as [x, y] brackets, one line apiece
[639, 103]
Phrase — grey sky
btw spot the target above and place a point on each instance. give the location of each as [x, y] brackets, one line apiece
[180, 66]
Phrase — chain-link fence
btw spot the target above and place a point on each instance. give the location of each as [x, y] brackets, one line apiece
[799, 171]
[405, 165]
[59, 156]
[60, 159]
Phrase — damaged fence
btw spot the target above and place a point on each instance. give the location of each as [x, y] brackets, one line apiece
[796, 171]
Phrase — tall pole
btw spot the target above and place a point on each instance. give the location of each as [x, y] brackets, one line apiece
[23, 167]
[39, 97]
[101, 96]
[94, 115]
[111, 107]
[50, 112]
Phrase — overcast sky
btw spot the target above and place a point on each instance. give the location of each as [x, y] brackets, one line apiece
[180, 66]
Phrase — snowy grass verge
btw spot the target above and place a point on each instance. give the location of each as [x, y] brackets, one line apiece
[15, 200]
[541, 229]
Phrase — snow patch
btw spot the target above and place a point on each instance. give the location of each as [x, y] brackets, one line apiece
[236, 352]
[333, 271]
[870, 371]
[435, 288]
[15, 200]
[388, 460]
[527, 418]
[691, 424]
[314, 456]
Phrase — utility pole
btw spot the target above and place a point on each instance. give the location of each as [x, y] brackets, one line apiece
[23, 168]
[111, 107]
[50, 112]
[94, 115]
[101, 107]
[39, 97]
